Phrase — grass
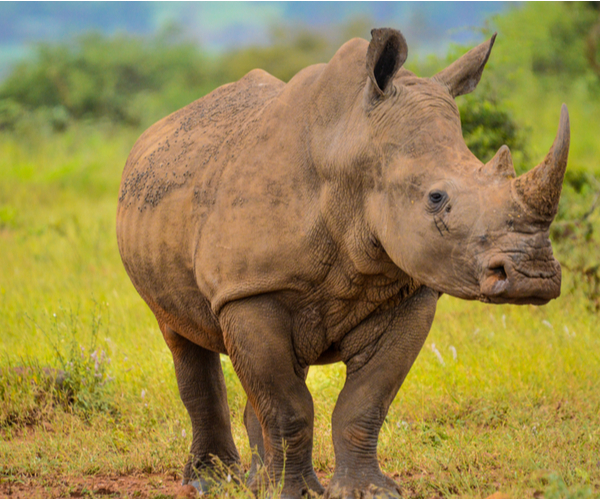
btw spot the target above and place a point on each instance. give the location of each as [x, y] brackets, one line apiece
[500, 399]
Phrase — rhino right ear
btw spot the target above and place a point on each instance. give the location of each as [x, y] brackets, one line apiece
[463, 75]
[385, 56]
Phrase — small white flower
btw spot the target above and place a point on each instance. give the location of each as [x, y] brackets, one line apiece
[568, 332]
[453, 351]
[438, 354]
[183, 433]
[548, 324]
[143, 393]
[228, 478]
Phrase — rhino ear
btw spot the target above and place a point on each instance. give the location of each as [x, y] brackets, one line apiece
[385, 56]
[463, 75]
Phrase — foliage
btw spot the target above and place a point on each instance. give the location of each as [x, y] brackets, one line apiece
[291, 51]
[122, 78]
[487, 125]
[576, 235]
[84, 368]
[555, 45]
[76, 380]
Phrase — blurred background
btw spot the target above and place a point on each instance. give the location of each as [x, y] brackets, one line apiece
[79, 83]
[218, 27]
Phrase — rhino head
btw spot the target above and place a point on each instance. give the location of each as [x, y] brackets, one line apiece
[472, 230]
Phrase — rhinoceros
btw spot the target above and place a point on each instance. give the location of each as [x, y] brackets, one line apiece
[316, 221]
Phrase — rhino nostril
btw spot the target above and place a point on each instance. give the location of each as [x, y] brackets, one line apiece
[495, 281]
[499, 272]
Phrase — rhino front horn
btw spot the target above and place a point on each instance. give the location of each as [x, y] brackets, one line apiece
[539, 189]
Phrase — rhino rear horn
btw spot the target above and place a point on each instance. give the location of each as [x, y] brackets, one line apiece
[385, 56]
[539, 189]
[501, 164]
[463, 75]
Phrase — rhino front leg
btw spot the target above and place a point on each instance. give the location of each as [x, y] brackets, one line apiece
[374, 376]
[203, 392]
[257, 334]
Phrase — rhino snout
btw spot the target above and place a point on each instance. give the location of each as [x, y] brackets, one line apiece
[505, 282]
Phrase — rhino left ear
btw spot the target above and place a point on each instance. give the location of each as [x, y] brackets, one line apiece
[385, 56]
[463, 75]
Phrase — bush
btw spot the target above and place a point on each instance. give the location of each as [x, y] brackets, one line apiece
[120, 78]
[488, 125]
[290, 51]
[76, 381]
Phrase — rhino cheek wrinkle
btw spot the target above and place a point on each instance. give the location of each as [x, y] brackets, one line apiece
[319, 221]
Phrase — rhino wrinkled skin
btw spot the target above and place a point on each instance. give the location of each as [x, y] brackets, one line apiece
[288, 225]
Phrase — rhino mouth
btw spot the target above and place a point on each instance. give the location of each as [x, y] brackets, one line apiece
[503, 282]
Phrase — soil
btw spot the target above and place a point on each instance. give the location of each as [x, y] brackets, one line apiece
[139, 486]
[142, 486]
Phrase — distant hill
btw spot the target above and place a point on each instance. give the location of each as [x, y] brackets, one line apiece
[218, 26]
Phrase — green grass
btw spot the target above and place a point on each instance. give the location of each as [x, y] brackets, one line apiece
[516, 409]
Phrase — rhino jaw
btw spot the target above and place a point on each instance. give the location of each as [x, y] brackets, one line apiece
[503, 282]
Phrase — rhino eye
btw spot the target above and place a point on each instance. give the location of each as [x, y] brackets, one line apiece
[436, 197]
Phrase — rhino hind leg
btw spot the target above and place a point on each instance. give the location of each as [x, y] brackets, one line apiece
[202, 389]
[255, 438]
[257, 335]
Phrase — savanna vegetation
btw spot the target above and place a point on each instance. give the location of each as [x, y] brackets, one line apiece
[501, 399]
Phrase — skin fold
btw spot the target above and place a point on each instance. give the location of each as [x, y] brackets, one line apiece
[318, 221]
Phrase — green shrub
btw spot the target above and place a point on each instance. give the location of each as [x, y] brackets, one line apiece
[487, 125]
[94, 77]
[76, 379]
[291, 50]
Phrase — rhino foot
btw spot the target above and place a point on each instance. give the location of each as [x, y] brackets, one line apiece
[376, 486]
[305, 486]
[203, 485]
[205, 479]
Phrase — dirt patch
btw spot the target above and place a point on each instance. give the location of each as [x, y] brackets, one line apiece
[143, 486]
[138, 486]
